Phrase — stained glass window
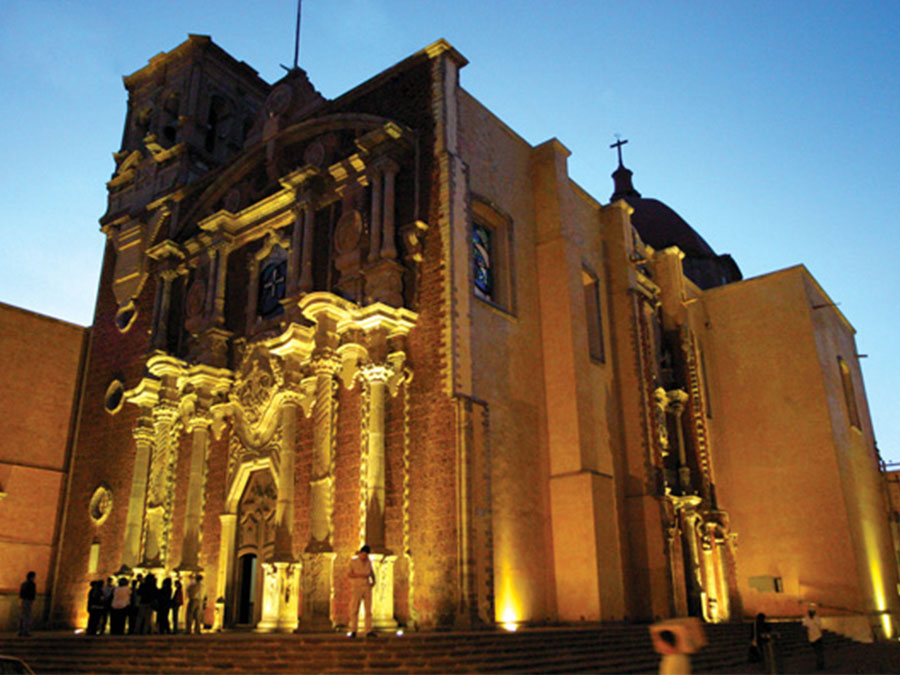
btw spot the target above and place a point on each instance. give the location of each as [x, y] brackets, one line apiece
[481, 255]
[272, 289]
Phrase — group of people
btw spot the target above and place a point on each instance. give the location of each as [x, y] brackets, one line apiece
[144, 606]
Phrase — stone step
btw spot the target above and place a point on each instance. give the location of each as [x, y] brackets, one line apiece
[613, 648]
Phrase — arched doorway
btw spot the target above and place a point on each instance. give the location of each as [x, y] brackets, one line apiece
[255, 539]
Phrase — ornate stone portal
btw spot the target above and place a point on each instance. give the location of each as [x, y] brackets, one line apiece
[277, 380]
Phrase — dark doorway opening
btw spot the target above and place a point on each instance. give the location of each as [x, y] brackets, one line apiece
[247, 596]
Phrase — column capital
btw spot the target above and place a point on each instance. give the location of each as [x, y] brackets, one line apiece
[386, 164]
[199, 421]
[376, 372]
[325, 362]
[391, 371]
[143, 433]
[677, 399]
[165, 411]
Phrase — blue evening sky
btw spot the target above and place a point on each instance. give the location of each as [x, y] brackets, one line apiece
[772, 127]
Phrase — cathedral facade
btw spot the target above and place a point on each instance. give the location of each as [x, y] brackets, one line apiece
[386, 319]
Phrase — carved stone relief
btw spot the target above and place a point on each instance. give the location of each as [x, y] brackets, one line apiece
[256, 524]
[257, 384]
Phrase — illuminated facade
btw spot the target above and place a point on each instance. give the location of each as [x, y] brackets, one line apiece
[387, 319]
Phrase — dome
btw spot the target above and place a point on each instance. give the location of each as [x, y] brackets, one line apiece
[660, 226]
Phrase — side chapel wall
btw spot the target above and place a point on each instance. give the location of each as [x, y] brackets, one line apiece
[773, 429]
[857, 459]
[505, 341]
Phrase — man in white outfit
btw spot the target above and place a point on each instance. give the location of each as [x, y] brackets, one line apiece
[196, 593]
[813, 625]
[362, 579]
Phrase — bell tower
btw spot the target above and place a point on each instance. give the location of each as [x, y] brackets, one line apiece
[189, 111]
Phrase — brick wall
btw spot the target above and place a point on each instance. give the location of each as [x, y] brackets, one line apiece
[41, 361]
[104, 448]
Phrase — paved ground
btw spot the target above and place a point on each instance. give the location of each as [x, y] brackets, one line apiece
[880, 657]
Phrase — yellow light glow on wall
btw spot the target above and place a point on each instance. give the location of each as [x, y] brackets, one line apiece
[876, 574]
[509, 605]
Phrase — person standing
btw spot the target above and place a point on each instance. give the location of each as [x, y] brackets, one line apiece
[95, 607]
[163, 602]
[120, 607]
[813, 625]
[108, 589]
[135, 602]
[146, 601]
[27, 594]
[177, 602]
[196, 592]
[766, 639]
[362, 579]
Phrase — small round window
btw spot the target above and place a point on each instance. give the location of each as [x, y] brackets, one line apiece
[125, 317]
[101, 504]
[115, 396]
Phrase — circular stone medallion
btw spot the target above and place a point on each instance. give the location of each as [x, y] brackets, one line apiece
[347, 232]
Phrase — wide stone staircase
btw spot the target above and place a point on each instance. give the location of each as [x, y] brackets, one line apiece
[607, 648]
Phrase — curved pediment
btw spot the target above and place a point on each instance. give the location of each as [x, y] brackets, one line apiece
[317, 143]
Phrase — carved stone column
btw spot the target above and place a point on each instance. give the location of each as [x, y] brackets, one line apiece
[294, 261]
[687, 509]
[225, 577]
[677, 399]
[676, 567]
[322, 475]
[380, 379]
[388, 248]
[213, 262]
[159, 494]
[190, 548]
[170, 257]
[383, 592]
[710, 576]
[203, 382]
[284, 509]
[282, 571]
[306, 261]
[375, 221]
[161, 332]
[143, 439]
[376, 377]
[318, 558]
